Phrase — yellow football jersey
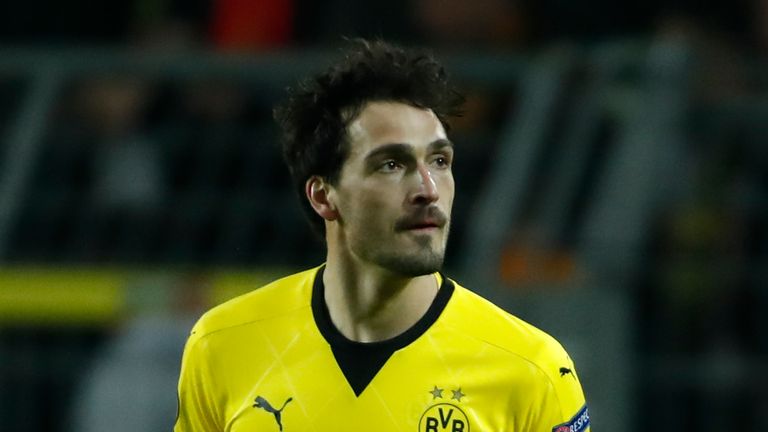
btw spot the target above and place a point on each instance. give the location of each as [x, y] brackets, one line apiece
[271, 360]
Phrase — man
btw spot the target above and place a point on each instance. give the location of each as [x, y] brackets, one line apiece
[376, 339]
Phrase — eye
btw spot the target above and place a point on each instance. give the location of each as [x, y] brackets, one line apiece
[442, 161]
[390, 166]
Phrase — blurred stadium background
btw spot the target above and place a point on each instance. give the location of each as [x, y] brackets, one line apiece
[612, 179]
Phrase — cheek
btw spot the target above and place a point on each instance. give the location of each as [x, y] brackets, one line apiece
[447, 188]
[364, 206]
[377, 210]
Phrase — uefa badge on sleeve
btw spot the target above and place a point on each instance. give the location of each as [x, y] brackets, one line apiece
[578, 422]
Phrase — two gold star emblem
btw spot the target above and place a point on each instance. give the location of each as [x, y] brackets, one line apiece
[437, 393]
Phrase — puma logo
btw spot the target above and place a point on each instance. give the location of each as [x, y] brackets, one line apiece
[564, 371]
[262, 403]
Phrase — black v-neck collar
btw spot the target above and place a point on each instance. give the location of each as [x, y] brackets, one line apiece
[360, 361]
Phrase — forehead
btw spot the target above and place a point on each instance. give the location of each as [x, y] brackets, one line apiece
[381, 123]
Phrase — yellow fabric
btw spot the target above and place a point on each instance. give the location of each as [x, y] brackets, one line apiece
[477, 368]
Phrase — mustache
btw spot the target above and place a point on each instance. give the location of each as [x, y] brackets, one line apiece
[430, 215]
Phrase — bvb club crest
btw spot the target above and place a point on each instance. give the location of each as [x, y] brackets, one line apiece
[444, 416]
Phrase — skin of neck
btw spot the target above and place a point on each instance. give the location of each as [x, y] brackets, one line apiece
[368, 303]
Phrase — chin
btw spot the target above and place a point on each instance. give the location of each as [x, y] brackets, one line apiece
[413, 266]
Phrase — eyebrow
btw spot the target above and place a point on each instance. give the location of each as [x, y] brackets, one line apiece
[440, 144]
[401, 148]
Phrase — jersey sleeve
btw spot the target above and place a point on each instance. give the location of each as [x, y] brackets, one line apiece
[197, 409]
[562, 407]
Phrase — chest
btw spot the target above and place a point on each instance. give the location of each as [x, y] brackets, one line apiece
[428, 387]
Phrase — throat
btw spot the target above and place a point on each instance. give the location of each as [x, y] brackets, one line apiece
[366, 311]
[361, 360]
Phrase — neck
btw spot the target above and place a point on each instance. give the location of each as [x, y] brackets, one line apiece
[368, 303]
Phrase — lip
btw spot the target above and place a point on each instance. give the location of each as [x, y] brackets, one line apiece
[424, 221]
[424, 227]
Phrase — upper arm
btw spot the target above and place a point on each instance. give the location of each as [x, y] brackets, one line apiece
[560, 405]
[197, 407]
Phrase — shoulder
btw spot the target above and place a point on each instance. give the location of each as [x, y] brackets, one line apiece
[534, 357]
[479, 319]
[274, 299]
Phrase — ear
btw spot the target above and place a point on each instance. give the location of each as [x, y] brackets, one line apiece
[318, 190]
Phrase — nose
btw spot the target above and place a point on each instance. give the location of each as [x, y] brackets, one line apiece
[426, 192]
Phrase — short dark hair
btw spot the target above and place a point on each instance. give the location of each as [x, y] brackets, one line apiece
[314, 117]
